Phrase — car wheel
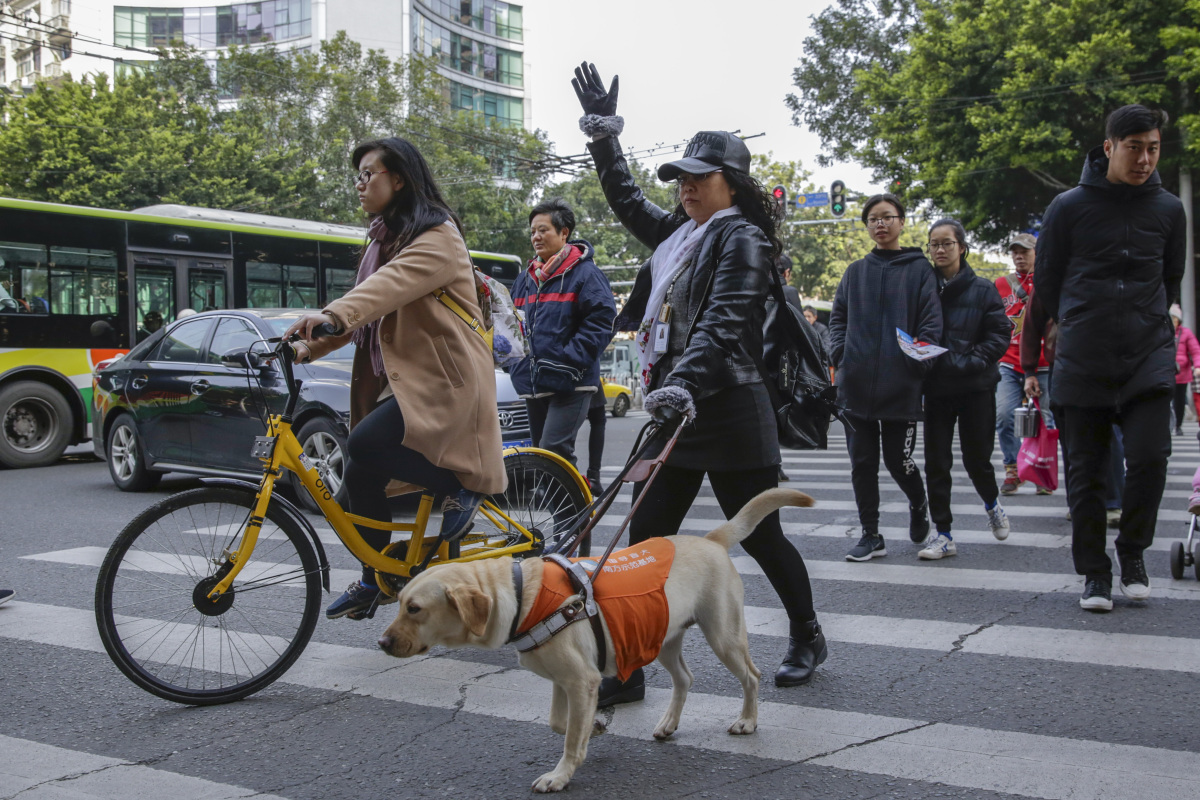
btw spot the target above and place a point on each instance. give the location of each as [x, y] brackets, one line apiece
[620, 405]
[325, 446]
[35, 424]
[127, 458]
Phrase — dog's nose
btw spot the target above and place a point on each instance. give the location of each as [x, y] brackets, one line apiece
[385, 643]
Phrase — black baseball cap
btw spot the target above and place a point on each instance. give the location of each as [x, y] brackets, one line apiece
[709, 151]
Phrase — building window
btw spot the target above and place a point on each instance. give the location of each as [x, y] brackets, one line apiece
[504, 109]
[209, 27]
[490, 16]
[457, 52]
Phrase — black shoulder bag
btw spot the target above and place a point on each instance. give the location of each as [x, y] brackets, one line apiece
[795, 369]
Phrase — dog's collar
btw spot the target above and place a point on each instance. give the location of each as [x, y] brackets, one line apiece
[519, 586]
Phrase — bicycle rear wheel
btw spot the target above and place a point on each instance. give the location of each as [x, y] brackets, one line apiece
[542, 497]
[157, 623]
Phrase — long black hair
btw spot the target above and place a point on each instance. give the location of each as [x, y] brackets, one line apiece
[419, 205]
[757, 205]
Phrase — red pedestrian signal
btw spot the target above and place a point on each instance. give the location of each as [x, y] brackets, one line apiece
[781, 203]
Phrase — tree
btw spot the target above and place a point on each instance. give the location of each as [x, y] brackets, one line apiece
[983, 108]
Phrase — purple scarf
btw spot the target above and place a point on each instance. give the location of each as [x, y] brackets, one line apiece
[368, 335]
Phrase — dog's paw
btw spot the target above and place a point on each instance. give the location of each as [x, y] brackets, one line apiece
[599, 726]
[663, 732]
[550, 782]
[743, 727]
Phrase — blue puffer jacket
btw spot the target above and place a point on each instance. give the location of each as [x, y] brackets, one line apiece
[568, 322]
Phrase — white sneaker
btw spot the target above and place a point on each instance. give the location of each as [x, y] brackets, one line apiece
[998, 521]
[939, 546]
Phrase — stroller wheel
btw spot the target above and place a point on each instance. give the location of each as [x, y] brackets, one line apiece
[1177, 560]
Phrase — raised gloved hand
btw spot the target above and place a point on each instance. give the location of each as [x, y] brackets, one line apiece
[591, 93]
[670, 406]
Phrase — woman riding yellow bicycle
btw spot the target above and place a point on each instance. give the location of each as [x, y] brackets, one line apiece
[423, 392]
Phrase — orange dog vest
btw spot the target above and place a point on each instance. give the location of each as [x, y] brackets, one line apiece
[630, 590]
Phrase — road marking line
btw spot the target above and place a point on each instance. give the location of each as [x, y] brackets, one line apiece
[60, 772]
[1055, 768]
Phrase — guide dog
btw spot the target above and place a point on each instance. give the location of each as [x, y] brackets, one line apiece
[474, 604]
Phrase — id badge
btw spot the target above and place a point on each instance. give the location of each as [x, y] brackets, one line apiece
[661, 333]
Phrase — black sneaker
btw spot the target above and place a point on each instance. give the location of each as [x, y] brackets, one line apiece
[356, 599]
[1097, 593]
[918, 522]
[868, 547]
[1134, 583]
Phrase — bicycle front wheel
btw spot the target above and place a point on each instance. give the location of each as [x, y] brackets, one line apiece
[543, 498]
[156, 620]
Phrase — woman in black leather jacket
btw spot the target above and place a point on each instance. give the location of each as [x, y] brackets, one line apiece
[698, 307]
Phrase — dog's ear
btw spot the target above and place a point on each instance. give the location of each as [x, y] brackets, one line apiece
[473, 607]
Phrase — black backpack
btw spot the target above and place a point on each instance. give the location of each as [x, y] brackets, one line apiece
[795, 369]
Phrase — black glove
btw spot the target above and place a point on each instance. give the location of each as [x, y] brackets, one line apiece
[590, 91]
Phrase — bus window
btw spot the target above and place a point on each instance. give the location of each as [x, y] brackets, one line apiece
[280, 286]
[154, 291]
[206, 289]
[58, 280]
[339, 268]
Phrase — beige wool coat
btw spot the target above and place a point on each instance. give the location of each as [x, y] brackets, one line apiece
[440, 370]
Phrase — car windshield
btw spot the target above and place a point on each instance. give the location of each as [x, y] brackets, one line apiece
[281, 324]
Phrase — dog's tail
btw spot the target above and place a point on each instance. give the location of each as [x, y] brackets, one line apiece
[742, 525]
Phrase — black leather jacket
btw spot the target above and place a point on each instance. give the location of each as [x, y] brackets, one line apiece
[722, 320]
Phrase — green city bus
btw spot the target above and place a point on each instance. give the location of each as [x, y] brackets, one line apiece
[80, 285]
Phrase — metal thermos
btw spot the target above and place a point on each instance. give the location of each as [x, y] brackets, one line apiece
[1027, 421]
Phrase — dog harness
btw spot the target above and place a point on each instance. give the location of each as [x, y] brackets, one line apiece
[629, 591]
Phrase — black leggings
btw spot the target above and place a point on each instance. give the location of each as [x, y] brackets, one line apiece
[596, 421]
[376, 455]
[667, 502]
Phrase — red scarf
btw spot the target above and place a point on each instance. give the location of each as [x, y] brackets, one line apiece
[559, 263]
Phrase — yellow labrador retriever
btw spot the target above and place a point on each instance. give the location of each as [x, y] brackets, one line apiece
[473, 604]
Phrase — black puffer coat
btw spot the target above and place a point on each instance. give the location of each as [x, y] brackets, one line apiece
[877, 295]
[722, 320]
[1109, 262]
[975, 331]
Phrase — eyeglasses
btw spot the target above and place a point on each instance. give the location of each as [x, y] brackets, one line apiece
[364, 177]
[874, 222]
[686, 177]
[935, 246]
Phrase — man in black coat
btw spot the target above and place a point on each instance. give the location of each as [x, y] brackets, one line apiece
[1109, 263]
[878, 385]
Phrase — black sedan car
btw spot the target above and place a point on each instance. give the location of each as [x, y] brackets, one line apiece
[172, 405]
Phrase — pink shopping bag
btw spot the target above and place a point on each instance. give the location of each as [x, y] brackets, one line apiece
[1038, 460]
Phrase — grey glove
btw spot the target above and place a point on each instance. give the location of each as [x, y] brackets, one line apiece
[590, 91]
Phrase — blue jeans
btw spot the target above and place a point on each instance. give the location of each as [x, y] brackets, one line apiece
[1010, 391]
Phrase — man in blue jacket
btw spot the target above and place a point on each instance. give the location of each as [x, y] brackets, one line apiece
[1109, 264]
[568, 312]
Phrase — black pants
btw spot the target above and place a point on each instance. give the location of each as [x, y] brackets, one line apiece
[863, 442]
[975, 413]
[597, 418]
[376, 455]
[669, 497]
[1147, 448]
[1181, 393]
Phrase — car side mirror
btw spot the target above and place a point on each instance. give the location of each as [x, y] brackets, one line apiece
[245, 359]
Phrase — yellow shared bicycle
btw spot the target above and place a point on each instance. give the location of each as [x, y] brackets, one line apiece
[211, 594]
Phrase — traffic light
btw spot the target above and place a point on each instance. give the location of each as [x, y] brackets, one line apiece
[837, 199]
[780, 195]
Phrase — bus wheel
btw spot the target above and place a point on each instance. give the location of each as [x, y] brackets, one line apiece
[35, 424]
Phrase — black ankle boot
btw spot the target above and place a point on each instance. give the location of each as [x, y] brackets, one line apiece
[806, 649]
[593, 481]
[614, 692]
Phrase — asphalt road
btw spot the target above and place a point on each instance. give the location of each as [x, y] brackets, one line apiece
[977, 676]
